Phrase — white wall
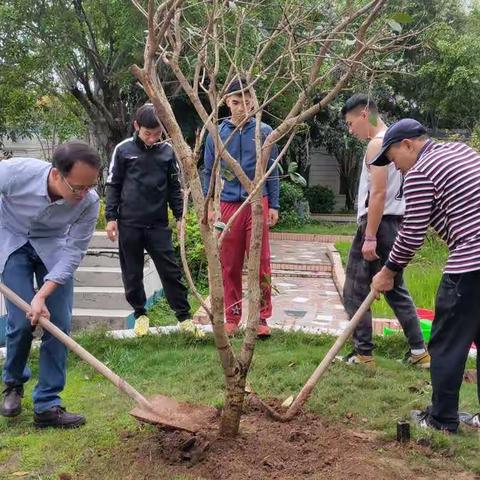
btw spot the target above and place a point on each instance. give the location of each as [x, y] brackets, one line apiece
[25, 147]
[324, 171]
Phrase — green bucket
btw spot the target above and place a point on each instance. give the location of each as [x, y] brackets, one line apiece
[425, 326]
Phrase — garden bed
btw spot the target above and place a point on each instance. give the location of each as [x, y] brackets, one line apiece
[346, 407]
[306, 448]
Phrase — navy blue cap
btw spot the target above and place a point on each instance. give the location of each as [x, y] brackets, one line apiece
[237, 86]
[398, 131]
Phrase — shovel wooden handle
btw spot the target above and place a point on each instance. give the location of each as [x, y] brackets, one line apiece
[329, 357]
[101, 368]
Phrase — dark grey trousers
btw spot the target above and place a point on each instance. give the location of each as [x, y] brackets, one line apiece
[359, 275]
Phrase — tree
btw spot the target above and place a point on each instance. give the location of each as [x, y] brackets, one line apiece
[77, 50]
[298, 47]
[453, 75]
[48, 119]
[436, 76]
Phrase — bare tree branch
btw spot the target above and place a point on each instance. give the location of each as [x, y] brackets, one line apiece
[183, 255]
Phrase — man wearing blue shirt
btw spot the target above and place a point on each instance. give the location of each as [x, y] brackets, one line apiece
[238, 135]
[48, 213]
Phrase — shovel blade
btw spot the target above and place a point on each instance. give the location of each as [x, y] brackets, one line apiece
[176, 415]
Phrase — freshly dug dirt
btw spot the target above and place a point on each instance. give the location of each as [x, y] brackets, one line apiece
[305, 448]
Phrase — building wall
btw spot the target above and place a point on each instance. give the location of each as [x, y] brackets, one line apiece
[24, 147]
[324, 171]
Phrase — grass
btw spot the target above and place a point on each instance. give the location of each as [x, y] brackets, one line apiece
[189, 370]
[161, 314]
[320, 228]
[422, 276]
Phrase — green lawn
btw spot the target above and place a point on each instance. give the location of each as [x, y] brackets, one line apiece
[320, 228]
[422, 276]
[189, 370]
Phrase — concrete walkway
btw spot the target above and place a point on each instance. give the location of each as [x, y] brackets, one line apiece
[307, 298]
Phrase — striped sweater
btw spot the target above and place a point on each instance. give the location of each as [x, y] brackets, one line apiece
[442, 190]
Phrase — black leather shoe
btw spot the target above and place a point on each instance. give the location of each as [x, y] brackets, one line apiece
[58, 417]
[12, 401]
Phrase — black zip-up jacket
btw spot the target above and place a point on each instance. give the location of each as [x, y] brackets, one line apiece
[142, 182]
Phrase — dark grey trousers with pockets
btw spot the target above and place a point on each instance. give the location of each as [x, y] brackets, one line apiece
[359, 276]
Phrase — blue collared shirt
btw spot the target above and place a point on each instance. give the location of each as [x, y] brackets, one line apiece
[58, 231]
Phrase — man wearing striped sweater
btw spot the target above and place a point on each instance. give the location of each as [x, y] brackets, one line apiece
[442, 191]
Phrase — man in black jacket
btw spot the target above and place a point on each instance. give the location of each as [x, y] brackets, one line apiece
[142, 182]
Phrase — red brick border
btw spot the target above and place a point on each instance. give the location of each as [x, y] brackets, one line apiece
[303, 267]
[310, 237]
[338, 273]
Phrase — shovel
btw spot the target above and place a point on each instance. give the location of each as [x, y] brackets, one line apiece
[307, 389]
[157, 410]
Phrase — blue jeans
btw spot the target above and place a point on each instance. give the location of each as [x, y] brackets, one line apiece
[18, 275]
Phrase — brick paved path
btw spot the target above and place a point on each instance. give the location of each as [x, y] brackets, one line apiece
[306, 297]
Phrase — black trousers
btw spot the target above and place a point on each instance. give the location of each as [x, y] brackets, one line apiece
[358, 277]
[157, 241]
[455, 327]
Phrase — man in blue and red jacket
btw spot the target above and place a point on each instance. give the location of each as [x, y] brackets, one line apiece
[241, 146]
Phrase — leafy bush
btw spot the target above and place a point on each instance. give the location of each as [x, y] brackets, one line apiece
[101, 223]
[194, 248]
[321, 199]
[294, 209]
[475, 138]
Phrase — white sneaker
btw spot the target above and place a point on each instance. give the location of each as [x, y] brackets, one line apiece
[472, 420]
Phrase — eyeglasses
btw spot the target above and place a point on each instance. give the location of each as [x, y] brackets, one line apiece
[76, 190]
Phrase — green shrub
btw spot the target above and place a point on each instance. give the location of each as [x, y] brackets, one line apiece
[101, 223]
[475, 138]
[321, 199]
[294, 209]
[194, 248]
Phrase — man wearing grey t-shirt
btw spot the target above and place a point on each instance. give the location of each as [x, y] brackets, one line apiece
[48, 213]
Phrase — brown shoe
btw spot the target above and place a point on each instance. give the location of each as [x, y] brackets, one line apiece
[355, 358]
[12, 401]
[231, 328]
[263, 330]
[418, 361]
[58, 417]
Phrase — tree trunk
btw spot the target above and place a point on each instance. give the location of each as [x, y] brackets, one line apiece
[350, 199]
[235, 375]
[233, 406]
[105, 139]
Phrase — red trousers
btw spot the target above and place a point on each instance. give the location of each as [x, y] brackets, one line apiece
[235, 247]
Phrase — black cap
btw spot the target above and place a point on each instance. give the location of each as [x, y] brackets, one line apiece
[237, 86]
[405, 128]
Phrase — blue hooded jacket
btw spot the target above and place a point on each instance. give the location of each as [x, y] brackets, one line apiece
[242, 148]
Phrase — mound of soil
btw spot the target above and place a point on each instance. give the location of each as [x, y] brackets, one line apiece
[305, 448]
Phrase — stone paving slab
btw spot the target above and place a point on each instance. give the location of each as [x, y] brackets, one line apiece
[298, 253]
[310, 304]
